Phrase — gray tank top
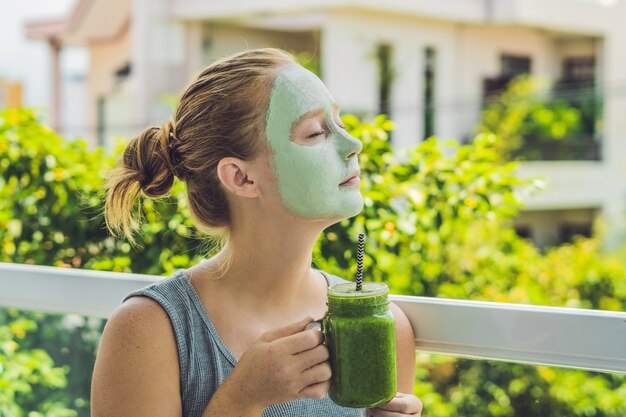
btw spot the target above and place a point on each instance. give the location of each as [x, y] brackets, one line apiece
[205, 362]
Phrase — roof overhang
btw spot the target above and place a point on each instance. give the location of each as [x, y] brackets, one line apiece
[588, 17]
[97, 20]
[89, 21]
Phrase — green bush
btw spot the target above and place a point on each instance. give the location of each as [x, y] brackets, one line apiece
[51, 214]
[438, 223]
[417, 210]
[29, 381]
[535, 124]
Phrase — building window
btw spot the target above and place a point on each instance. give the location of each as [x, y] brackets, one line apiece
[579, 68]
[123, 73]
[578, 88]
[385, 78]
[568, 231]
[511, 66]
[524, 231]
[429, 92]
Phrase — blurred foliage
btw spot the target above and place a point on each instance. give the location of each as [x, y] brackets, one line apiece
[438, 223]
[535, 125]
[51, 214]
[310, 61]
[29, 380]
[51, 211]
[415, 209]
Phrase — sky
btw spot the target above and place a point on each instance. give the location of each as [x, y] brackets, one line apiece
[27, 60]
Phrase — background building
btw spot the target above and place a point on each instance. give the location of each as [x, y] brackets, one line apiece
[429, 64]
[10, 93]
[27, 62]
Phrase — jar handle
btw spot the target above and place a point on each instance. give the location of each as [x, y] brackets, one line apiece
[323, 322]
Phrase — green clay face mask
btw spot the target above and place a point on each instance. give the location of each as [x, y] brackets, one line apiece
[310, 168]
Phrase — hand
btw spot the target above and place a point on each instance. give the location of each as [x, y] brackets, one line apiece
[400, 405]
[285, 364]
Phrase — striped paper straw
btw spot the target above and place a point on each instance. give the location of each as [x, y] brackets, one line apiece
[359, 262]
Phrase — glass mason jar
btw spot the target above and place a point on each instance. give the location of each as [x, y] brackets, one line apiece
[360, 336]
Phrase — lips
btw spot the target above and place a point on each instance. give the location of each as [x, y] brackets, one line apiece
[355, 175]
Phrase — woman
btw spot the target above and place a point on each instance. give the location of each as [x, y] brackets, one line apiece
[268, 166]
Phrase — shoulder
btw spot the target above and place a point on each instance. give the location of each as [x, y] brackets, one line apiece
[162, 289]
[332, 279]
[137, 352]
[139, 317]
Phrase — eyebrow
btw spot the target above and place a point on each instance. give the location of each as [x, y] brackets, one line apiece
[308, 115]
[313, 113]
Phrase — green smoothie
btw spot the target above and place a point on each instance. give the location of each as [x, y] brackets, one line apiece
[362, 344]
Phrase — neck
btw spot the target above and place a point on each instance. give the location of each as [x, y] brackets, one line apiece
[269, 268]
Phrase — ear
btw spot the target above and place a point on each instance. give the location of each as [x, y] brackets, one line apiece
[232, 172]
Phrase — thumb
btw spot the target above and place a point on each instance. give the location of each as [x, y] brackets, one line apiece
[287, 330]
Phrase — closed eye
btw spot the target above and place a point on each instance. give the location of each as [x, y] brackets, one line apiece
[316, 134]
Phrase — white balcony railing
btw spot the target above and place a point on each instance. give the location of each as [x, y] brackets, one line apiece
[575, 338]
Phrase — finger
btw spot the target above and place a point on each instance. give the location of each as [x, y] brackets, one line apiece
[404, 404]
[312, 357]
[317, 391]
[379, 412]
[318, 373]
[396, 404]
[303, 341]
[314, 325]
[286, 331]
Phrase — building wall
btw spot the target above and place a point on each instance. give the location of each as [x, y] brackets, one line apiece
[465, 55]
[551, 227]
[349, 42]
[219, 40]
[166, 54]
[106, 57]
[74, 105]
[567, 184]
[480, 49]
[614, 124]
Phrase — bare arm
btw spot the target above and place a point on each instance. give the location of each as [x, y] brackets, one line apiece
[137, 372]
[405, 350]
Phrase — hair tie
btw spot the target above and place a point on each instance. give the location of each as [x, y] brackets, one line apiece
[173, 140]
[175, 160]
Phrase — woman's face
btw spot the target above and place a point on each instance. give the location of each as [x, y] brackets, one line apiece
[312, 153]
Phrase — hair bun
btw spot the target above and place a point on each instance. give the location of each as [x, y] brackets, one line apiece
[172, 153]
[144, 156]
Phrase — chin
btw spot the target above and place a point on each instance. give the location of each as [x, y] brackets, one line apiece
[352, 209]
[358, 207]
[343, 208]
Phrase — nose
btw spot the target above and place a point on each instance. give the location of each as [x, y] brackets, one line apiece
[349, 146]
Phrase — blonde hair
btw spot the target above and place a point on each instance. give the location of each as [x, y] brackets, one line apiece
[220, 114]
